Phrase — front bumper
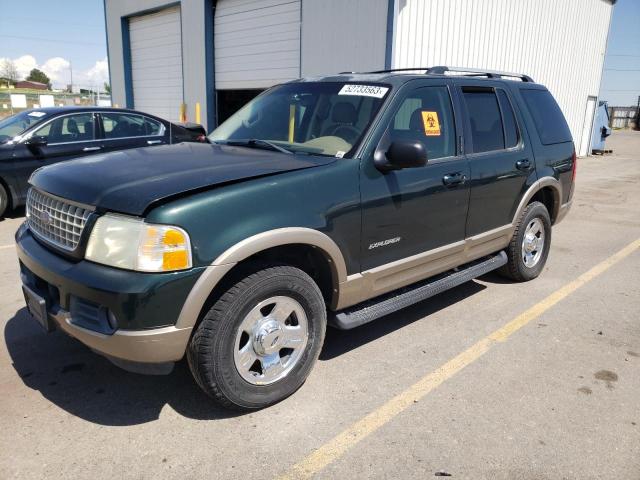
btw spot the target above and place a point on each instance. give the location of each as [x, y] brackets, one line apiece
[123, 315]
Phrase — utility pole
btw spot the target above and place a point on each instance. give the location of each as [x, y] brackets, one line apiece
[71, 77]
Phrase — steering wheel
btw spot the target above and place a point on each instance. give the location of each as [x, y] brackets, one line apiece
[347, 133]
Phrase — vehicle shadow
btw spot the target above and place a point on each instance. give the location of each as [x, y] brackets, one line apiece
[339, 342]
[88, 386]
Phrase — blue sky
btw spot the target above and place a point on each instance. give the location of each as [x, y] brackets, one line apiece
[53, 33]
[621, 78]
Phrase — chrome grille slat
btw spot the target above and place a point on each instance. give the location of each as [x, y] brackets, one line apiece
[65, 220]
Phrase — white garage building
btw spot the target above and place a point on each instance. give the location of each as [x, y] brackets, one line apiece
[216, 54]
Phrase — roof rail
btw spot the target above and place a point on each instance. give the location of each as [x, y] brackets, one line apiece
[473, 72]
[391, 70]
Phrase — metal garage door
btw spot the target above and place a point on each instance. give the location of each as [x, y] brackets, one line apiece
[156, 62]
[257, 43]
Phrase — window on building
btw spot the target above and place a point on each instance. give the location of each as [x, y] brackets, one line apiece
[547, 116]
[426, 115]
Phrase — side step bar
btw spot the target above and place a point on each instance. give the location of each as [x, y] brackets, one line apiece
[397, 300]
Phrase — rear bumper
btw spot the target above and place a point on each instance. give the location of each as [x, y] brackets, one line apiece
[124, 315]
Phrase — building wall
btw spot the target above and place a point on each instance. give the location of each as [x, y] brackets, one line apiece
[343, 35]
[561, 44]
[193, 49]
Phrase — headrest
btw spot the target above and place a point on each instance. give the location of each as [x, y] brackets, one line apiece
[72, 126]
[344, 112]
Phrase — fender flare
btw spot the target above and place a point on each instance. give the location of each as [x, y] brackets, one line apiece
[543, 182]
[244, 249]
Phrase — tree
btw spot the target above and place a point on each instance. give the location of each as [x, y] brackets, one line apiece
[8, 70]
[36, 75]
[107, 88]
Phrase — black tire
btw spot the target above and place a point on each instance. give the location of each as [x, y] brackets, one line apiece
[212, 346]
[4, 201]
[516, 269]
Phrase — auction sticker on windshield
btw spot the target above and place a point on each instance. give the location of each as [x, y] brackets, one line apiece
[364, 90]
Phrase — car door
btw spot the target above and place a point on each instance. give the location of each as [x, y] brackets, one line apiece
[123, 130]
[500, 160]
[62, 138]
[414, 210]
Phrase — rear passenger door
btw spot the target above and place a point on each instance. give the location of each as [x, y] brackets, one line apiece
[123, 130]
[500, 160]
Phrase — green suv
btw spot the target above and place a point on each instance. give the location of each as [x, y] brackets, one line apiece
[327, 200]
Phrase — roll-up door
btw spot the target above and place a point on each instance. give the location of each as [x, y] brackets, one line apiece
[156, 62]
[256, 43]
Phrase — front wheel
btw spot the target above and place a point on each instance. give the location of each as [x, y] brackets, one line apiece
[529, 247]
[260, 340]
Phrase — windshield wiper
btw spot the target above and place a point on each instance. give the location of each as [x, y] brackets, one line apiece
[256, 143]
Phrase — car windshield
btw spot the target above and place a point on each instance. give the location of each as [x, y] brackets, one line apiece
[320, 118]
[18, 123]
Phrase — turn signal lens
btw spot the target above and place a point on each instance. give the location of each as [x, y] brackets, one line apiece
[164, 249]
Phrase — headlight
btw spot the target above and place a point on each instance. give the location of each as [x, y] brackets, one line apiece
[130, 243]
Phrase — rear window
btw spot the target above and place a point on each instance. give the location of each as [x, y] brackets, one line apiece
[547, 116]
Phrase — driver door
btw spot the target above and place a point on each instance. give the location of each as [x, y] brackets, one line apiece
[408, 212]
[67, 136]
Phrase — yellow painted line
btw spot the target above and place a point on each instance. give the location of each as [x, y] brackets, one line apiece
[339, 445]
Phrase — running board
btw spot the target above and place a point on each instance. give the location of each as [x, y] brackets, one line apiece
[397, 300]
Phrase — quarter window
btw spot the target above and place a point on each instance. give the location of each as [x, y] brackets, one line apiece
[547, 116]
[124, 125]
[426, 115]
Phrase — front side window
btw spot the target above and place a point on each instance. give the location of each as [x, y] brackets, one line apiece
[79, 127]
[322, 118]
[126, 125]
[426, 115]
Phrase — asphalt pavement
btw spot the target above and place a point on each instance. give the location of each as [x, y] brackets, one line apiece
[491, 380]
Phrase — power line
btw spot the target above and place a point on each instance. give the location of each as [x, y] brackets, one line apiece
[621, 55]
[48, 40]
[623, 69]
[609, 90]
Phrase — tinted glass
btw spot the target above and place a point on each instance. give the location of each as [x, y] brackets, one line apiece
[426, 115]
[547, 116]
[69, 128]
[511, 134]
[125, 125]
[18, 123]
[484, 116]
[324, 118]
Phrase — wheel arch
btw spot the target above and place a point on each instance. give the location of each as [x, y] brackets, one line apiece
[546, 190]
[264, 246]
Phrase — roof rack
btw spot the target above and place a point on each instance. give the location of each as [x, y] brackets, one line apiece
[473, 72]
[467, 72]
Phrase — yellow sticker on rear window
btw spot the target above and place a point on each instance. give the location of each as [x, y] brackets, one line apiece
[431, 123]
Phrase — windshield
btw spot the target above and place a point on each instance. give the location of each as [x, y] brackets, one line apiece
[18, 123]
[321, 118]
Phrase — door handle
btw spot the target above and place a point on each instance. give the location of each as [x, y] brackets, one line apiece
[454, 179]
[153, 142]
[91, 149]
[523, 164]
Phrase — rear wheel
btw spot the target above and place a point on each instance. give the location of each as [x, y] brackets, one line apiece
[4, 201]
[259, 341]
[529, 248]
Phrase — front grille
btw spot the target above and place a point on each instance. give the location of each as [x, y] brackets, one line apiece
[55, 220]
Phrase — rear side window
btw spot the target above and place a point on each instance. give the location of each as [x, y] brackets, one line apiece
[511, 134]
[484, 116]
[547, 116]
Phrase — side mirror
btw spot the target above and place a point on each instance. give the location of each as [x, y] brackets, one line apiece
[401, 154]
[37, 141]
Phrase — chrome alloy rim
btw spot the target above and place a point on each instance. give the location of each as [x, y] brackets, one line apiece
[533, 243]
[270, 340]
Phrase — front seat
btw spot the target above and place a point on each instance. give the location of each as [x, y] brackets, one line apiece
[72, 128]
[344, 117]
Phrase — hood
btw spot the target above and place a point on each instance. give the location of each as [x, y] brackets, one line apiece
[129, 181]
